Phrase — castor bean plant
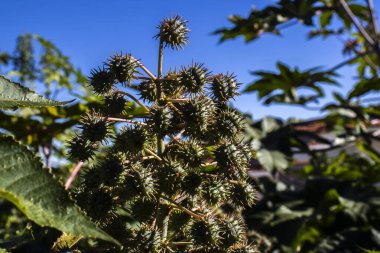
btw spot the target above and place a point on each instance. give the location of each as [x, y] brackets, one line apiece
[173, 178]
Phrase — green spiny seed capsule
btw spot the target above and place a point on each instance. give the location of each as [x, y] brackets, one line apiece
[178, 221]
[104, 172]
[143, 209]
[101, 80]
[205, 233]
[194, 77]
[147, 90]
[171, 84]
[230, 158]
[136, 181]
[191, 153]
[197, 115]
[94, 127]
[191, 183]
[242, 194]
[228, 124]
[224, 87]
[233, 231]
[147, 241]
[109, 169]
[169, 177]
[213, 192]
[123, 67]
[114, 104]
[159, 120]
[132, 139]
[98, 203]
[173, 32]
[81, 148]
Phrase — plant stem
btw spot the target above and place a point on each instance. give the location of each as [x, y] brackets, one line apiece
[153, 154]
[144, 68]
[134, 99]
[73, 174]
[371, 9]
[356, 23]
[178, 100]
[191, 213]
[160, 141]
[344, 63]
[125, 120]
[180, 243]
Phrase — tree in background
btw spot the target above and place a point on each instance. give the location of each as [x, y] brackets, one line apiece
[331, 204]
[37, 62]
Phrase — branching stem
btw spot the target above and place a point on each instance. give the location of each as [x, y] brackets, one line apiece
[125, 120]
[153, 154]
[73, 174]
[191, 213]
[133, 98]
[356, 23]
[144, 69]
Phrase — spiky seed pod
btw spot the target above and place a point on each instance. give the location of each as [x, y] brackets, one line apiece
[159, 120]
[147, 90]
[105, 172]
[191, 183]
[132, 139]
[213, 192]
[194, 77]
[171, 83]
[118, 229]
[97, 203]
[173, 32]
[94, 127]
[143, 209]
[242, 194]
[204, 233]
[101, 81]
[169, 177]
[233, 231]
[178, 221]
[123, 67]
[114, 104]
[229, 123]
[136, 181]
[224, 87]
[81, 148]
[191, 153]
[230, 158]
[196, 115]
[147, 241]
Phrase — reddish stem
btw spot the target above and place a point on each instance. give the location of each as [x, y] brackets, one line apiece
[73, 175]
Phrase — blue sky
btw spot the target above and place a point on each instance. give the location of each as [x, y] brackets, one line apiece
[90, 31]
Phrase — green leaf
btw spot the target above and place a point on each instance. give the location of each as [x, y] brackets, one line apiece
[272, 159]
[38, 195]
[13, 95]
[364, 87]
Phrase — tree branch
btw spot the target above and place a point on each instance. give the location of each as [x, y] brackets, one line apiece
[371, 9]
[356, 23]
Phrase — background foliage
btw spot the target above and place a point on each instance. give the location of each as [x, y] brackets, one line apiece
[330, 204]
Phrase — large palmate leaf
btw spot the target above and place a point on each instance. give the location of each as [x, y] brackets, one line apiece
[38, 195]
[270, 19]
[13, 95]
[282, 87]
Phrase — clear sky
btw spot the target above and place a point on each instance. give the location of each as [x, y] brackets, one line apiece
[90, 31]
